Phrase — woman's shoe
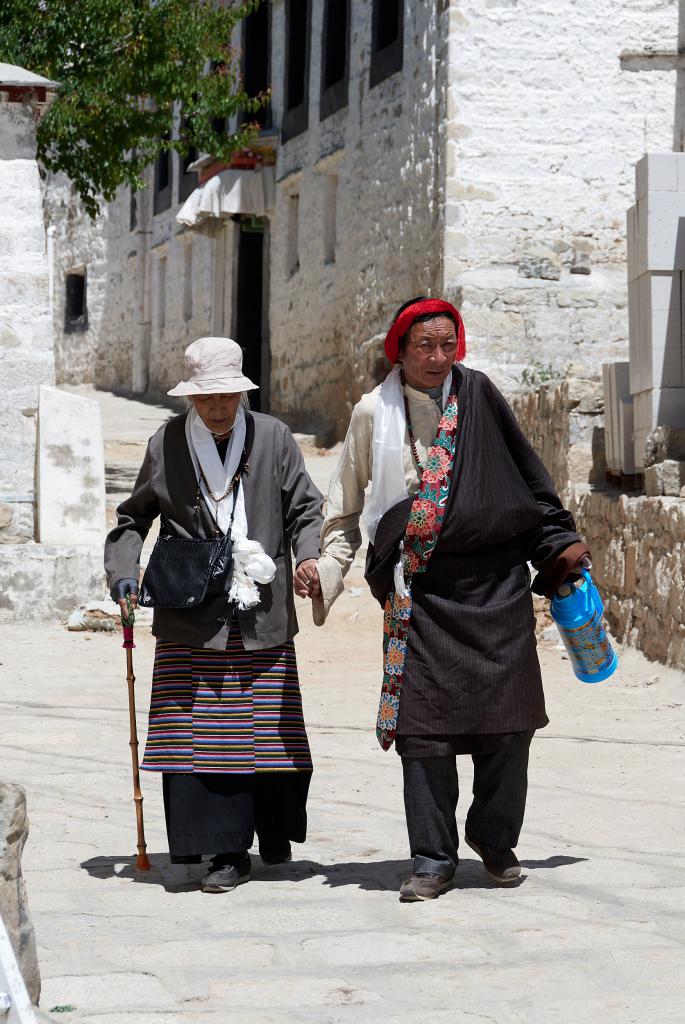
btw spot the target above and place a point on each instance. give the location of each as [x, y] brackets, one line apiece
[227, 875]
[276, 854]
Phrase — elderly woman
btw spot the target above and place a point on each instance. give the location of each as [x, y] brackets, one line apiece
[459, 504]
[226, 727]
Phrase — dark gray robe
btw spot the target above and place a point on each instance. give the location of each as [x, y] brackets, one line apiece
[283, 509]
[472, 665]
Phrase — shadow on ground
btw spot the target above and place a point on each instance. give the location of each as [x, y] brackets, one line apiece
[373, 876]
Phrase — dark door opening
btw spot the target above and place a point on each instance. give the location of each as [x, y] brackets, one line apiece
[249, 308]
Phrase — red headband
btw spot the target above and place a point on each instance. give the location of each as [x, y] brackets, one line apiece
[408, 316]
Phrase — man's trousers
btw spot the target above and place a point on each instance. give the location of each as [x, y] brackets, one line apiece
[494, 819]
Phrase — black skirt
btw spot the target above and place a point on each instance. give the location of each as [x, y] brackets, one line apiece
[214, 814]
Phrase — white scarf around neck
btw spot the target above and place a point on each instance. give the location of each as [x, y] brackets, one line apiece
[251, 564]
[388, 483]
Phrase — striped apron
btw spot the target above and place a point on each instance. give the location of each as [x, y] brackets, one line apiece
[232, 711]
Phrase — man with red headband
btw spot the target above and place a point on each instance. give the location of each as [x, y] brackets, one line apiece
[459, 504]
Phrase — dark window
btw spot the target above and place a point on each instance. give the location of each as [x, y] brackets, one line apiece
[187, 180]
[387, 39]
[256, 61]
[162, 199]
[219, 124]
[133, 212]
[296, 85]
[335, 56]
[75, 309]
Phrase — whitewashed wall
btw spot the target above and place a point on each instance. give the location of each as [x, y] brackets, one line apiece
[504, 147]
[108, 249]
[26, 357]
[543, 130]
[384, 148]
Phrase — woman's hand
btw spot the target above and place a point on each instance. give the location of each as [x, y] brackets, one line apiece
[123, 588]
[306, 579]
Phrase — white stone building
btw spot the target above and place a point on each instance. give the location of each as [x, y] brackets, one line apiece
[52, 488]
[479, 150]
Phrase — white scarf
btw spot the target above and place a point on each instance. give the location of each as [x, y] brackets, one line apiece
[251, 564]
[388, 482]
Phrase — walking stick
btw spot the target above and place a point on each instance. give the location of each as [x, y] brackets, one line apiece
[127, 621]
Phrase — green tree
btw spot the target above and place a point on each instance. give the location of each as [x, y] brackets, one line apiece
[126, 69]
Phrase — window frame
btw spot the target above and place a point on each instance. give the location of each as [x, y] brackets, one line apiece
[296, 119]
[187, 180]
[265, 112]
[73, 325]
[162, 195]
[390, 59]
[335, 96]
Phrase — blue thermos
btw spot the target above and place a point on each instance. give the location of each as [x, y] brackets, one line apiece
[577, 610]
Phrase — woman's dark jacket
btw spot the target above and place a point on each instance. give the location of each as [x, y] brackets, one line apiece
[472, 664]
[283, 509]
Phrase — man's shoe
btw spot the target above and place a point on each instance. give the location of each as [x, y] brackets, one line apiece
[502, 865]
[423, 885]
[276, 854]
[225, 877]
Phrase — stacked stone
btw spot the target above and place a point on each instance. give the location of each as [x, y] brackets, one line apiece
[656, 263]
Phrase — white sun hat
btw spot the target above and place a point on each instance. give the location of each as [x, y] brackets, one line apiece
[213, 366]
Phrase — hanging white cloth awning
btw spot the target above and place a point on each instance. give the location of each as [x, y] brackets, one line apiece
[249, 192]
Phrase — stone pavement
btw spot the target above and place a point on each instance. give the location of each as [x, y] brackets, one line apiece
[594, 932]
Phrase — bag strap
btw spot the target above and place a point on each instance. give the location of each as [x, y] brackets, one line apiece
[243, 465]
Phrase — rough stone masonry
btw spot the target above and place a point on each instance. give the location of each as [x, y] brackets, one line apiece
[637, 541]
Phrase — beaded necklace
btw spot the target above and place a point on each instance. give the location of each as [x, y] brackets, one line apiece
[412, 439]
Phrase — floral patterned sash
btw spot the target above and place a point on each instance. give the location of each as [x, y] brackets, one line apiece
[420, 538]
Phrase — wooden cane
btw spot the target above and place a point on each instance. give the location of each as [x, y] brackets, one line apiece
[127, 622]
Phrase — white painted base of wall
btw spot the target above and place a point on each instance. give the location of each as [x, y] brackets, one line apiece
[40, 581]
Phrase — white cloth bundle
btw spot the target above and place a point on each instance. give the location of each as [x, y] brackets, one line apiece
[251, 564]
[388, 483]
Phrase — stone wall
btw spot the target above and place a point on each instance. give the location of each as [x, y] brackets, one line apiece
[637, 542]
[564, 422]
[638, 550]
[544, 126]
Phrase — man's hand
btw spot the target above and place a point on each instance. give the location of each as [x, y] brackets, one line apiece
[306, 579]
[122, 589]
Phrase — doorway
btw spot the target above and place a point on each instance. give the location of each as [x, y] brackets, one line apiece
[250, 308]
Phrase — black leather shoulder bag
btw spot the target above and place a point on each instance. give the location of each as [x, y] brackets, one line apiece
[182, 571]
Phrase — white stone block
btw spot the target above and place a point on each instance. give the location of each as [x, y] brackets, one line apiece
[664, 291]
[652, 408]
[71, 470]
[665, 478]
[38, 581]
[659, 172]
[639, 443]
[618, 418]
[664, 232]
[665, 366]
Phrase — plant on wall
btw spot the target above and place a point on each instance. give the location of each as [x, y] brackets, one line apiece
[126, 69]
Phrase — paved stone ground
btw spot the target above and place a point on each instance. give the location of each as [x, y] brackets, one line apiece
[593, 933]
